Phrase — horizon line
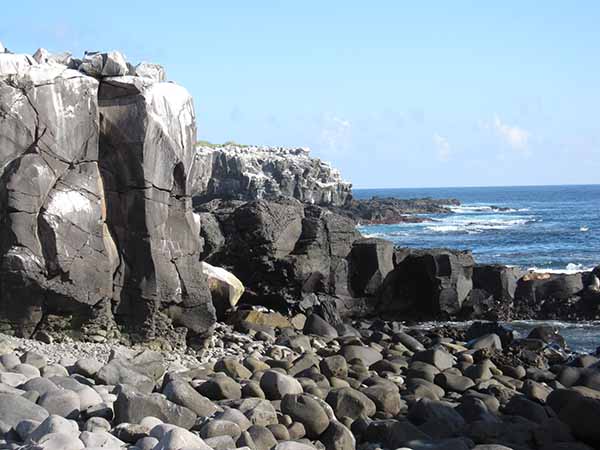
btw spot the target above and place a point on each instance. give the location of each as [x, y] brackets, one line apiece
[476, 186]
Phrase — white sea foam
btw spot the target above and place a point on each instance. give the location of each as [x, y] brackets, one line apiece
[374, 235]
[571, 268]
[472, 209]
[475, 226]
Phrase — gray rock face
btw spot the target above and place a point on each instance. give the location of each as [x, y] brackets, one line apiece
[251, 173]
[95, 205]
[56, 247]
[147, 130]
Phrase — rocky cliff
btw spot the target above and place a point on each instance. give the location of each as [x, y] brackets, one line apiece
[97, 235]
[253, 173]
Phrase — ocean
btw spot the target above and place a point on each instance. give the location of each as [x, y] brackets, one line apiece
[545, 228]
[540, 227]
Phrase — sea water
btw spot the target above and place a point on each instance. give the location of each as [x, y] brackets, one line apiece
[545, 228]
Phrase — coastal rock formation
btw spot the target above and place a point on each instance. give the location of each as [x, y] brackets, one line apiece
[56, 249]
[370, 262]
[427, 283]
[389, 210]
[281, 249]
[95, 207]
[252, 173]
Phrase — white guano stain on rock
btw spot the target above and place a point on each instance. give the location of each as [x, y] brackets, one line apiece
[68, 202]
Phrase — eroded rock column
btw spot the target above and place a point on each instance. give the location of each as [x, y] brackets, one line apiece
[147, 131]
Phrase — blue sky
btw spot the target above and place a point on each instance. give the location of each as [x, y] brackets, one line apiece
[395, 94]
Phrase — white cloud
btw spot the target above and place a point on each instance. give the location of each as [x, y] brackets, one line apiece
[516, 137]
[335, 132]
[443, 147]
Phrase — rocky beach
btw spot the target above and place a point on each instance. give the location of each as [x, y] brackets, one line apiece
[160, 294]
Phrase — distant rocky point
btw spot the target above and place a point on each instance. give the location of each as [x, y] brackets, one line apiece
[235, 172]
[389, 210]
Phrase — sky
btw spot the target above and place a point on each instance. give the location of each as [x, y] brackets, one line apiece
[393, 93]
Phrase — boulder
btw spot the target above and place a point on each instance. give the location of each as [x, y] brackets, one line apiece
[315, 324]
[64, 403]
[276, 385]
[305, 409]
[225, 288]
[370, 262]
[386, 398]
[155, 72]
[178, 438]
[132, 407]
[535, 287]
[438, 358]
[579, 412]
[367, 355]
[338, 437]
[428, 284]
[182, 393]
[548, 334]
[14, 409]
[141, 370]
[221, 387]
[350, 403]
[109, 64]
[497, 280]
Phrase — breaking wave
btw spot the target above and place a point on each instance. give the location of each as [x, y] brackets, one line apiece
[476, 226]
[569, 269]
[472, 209]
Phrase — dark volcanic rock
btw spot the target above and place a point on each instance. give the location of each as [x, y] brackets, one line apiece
[389, 210]
[370, 262]
[282, 250]
[536, 287]
[499, 281]
[428, 283]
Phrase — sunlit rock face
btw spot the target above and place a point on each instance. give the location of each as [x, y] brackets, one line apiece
[147, 133]
[57, 251]
[95, 212]
[253, 173]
